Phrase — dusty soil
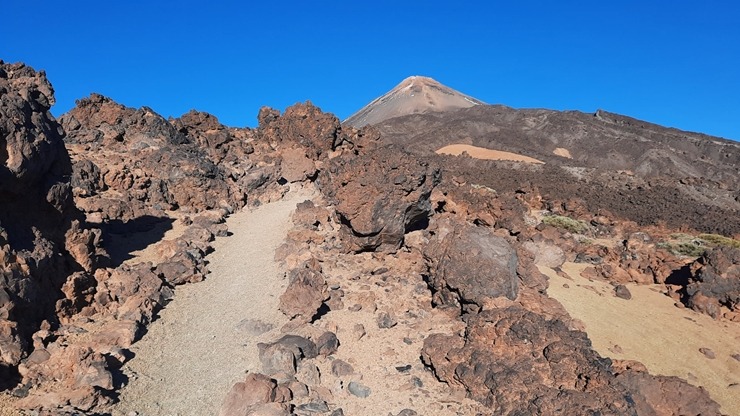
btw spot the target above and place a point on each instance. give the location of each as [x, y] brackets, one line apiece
[483, 153]
[6, 405]
[205, 339]
[651, 329]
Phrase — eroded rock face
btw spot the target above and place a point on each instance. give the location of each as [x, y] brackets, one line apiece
[380, 196]
[517, 362]
[132, 162]
[36, 211]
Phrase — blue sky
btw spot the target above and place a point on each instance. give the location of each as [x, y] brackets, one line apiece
[675, 63]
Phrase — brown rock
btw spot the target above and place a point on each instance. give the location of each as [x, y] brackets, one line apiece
[306, 292]
[296, 166]
[245, 396]
[511, 354]
[379, 197]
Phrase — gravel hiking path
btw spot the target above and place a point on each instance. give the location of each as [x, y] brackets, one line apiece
[205, 339]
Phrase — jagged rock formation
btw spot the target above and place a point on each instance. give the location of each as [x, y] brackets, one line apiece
[380, 197]
[414, 95]
[42, 237]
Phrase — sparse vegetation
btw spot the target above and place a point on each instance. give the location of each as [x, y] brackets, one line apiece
[695, 246]
[717, 240]
[566, 223]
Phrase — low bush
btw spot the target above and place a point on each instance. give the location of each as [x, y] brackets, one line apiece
[566, 223]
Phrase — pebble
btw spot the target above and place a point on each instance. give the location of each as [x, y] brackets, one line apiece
[385, 321]
[708, 353]
[358, 389]
[622, 292]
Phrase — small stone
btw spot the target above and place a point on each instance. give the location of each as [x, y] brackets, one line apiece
[708, 353]
[417, 382]
[379, 270]
[407, 412]
[565, 285]
[327, 343]
[355, 308]
[385, 320]
[736, 357]
[341, 368]
[622, 292]
[358, 389]
[337, 412]
[313, 407]
[404, 368]
[359, 331]
[408, 341]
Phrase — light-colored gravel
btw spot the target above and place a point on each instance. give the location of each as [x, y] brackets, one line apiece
[205, 340]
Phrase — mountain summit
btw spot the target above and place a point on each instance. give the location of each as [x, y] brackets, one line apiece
[415, 94]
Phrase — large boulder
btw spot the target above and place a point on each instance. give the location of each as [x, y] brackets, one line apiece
[380, 196]
[470, 265]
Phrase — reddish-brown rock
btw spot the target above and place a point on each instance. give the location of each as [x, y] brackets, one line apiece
[380, 196]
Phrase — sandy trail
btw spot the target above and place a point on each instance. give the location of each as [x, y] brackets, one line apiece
[205, 339]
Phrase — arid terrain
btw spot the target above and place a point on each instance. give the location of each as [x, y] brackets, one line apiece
[432, 255]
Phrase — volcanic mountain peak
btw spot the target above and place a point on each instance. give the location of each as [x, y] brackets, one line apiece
[415, 94]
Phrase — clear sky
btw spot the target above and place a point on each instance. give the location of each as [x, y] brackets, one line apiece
[675, 63]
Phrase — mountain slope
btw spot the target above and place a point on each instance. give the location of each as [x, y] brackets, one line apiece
[414, 95]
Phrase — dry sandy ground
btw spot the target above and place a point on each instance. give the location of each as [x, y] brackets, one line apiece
[205, 339]
[563, 152]
[650, 329]
[6, 405]
[483, 153]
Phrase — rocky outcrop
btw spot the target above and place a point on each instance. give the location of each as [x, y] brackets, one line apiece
[380, 196]
[516, 362]
[713, 287]
[42, 237]
[132, 162]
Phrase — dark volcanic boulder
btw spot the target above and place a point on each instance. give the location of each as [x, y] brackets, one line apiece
[469, 264]
[517, 362]
[714, 284]
[36, 210]
[380, 196]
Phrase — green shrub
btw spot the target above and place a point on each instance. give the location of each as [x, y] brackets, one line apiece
[566, 223]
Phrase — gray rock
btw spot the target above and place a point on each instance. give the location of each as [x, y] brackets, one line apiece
[386, 320]
[358, 389]
[313, 407]
[622, 292]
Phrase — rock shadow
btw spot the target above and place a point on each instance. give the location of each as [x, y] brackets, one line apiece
[121, 239]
